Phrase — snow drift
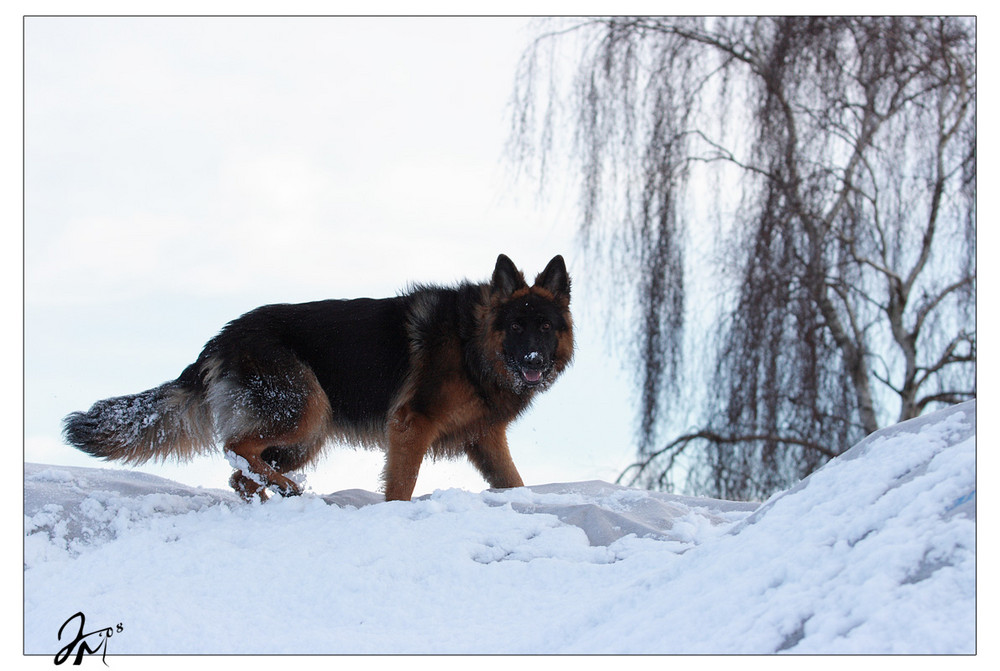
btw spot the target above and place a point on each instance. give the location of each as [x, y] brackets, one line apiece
[874, 553]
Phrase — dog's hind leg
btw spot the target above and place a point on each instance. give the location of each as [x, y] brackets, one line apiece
[273, 420]
[247, 487]
[261, 475]
[268, 457]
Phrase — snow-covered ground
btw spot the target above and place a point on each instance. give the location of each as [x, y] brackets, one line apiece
[874, 553]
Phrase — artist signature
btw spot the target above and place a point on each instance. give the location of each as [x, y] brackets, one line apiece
[85, 644]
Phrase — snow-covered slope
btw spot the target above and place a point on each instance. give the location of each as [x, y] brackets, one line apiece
[873, 553]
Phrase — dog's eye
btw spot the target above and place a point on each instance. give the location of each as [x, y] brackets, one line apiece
[516, 328]
[546, 326]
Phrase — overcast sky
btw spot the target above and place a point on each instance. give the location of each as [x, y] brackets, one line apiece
[181, 171]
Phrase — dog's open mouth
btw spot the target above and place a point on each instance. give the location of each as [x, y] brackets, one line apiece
[532, 376]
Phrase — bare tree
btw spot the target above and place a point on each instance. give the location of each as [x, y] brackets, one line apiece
[842, 224]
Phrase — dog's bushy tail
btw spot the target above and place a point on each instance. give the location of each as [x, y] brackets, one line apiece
[170, 420]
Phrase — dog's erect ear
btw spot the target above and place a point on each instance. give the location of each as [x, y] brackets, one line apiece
[506, 277]
[554, 278]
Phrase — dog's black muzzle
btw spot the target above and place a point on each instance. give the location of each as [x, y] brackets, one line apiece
[533, 367]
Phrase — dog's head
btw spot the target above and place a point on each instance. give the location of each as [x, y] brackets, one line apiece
[532, 323]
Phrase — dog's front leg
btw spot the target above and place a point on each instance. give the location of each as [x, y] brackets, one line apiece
[491, 456]
[410, 435]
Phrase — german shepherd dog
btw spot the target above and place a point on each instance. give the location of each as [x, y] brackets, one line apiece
[437, 370]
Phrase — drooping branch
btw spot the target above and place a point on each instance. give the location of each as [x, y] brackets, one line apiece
[853, 139]
[675, 447]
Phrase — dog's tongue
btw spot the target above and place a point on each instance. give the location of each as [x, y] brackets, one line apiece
[532, 375]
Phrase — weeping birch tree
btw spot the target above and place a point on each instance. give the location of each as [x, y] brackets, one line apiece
[790, 200]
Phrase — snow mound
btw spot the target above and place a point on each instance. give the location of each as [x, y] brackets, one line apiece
[874, 553]
[71, 509]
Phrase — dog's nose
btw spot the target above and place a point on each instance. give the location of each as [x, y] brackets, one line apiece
[533, 359]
